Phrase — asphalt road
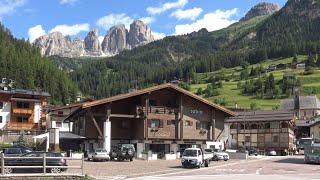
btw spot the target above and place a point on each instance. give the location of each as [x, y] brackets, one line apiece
[265, 168]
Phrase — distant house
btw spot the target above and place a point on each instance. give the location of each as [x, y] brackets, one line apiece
[315, 128]
[272, 67]
[21, 109]
[301, 65]
[305, 109]
[262, 130]
[281, 66]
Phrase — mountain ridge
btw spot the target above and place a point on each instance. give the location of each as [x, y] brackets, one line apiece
[117, 39]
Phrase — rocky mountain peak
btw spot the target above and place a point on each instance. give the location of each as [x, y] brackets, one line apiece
[92, 44]
[261, 9]
[116, 40]
[139, 34]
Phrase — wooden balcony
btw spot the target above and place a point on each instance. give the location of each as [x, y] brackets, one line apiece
[157, 110]
[22, 111]
[21, 126]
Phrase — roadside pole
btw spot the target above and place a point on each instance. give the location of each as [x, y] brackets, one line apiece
[2, 164]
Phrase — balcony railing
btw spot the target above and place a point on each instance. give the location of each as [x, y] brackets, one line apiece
[22, 111]
[157, 110]
[18, 125]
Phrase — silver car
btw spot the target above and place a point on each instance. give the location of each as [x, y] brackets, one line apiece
[99, 155]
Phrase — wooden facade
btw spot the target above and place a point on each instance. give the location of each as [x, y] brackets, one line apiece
[262, 130]
[160, 118]
[22, 110]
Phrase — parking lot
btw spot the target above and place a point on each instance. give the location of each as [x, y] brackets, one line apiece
[290, 167]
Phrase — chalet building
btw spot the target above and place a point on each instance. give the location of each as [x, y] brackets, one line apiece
[163, 119]
[261, 130]
[305, 109]
[21, 109]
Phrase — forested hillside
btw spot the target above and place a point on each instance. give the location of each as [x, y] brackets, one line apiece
[22, 62]
[292, 30]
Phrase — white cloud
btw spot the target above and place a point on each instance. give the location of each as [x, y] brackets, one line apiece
[211, 21]
[71, 30]
[114, 19]
[70, 2]
[158, 36]
[187, 14]
[147, 20]
[167, 6]
[35, 32]
[9, 6]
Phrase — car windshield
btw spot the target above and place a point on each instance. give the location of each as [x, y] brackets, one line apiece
[101, 150]
[13, 151]
[190, 153]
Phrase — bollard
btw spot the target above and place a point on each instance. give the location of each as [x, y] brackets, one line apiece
[44, 163]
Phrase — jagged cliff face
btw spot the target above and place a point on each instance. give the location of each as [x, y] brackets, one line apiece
[92, 44]
[116, 40]
[139, 34]
[261, 9]
[307, 8]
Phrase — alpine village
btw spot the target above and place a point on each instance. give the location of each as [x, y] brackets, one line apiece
[240, 102]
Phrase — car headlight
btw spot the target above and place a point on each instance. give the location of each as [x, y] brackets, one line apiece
[182, 160]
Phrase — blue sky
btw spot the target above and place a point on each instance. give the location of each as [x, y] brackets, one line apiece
[33, 18]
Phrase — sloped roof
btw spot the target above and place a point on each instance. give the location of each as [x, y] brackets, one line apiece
[305, 102]
[26, 92]
[309, 102]
[152, 89]
[256, 116]
[287, 104]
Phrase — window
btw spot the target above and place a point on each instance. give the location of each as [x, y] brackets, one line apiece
[284, 125]
[23, 105]
[233, 126]
[155, 123]
[171, 122]
[1, 105]
[58, 124]
[22, 119]
[254, 126]
[247, 139]
[267, 126]
[202, 125]
[60, 113]
[275, 139]
[0, 119]
[188, 123]
[152, 102]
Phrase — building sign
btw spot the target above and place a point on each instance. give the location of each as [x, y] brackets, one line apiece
[196, 111]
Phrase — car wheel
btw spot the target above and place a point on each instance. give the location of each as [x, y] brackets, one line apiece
[131, 159]
[8, 170]
[215, 158]
[55, 170]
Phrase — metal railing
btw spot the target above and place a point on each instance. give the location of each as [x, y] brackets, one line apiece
[44, 166]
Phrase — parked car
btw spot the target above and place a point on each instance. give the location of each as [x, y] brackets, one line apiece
[195, 157]
[15, 151]
[272, 153]
[253, 152]
[99, 155]
[29, 161]
[220, 155]
[123, 152]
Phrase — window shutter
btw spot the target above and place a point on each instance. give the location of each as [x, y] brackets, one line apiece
[197, 125]
[160, 123]
[149, 123]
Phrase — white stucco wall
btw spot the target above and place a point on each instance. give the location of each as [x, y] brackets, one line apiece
[5, 113]
[37, 112]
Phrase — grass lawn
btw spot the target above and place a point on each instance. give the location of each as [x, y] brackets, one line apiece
[233, 96]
